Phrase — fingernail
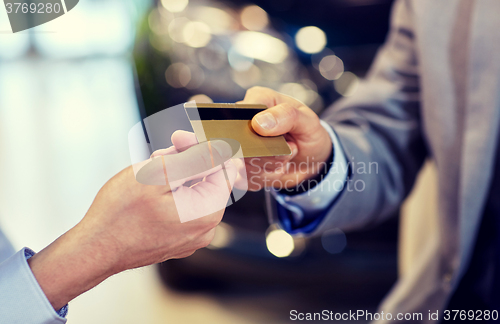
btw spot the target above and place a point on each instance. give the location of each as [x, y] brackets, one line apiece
[223, 148]
[266, 120]
[282, 157]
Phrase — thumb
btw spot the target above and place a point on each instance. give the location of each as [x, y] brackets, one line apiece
[284, 118]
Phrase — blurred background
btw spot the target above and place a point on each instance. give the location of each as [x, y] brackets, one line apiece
[71, 89]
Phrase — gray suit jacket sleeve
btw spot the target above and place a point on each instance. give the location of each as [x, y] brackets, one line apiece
[379, 127]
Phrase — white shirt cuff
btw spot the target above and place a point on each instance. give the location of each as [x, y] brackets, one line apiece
[322, 195]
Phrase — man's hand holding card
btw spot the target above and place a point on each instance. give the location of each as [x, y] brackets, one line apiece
[269, 164]
[309, 142]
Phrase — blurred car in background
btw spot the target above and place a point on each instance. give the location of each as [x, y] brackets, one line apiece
[315, 51]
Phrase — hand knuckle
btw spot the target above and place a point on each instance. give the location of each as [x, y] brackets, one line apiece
[187, 254]
[212, 223]
[256, 89]
[261, 91]
[204, 243]
[289, 111]
[192, 236]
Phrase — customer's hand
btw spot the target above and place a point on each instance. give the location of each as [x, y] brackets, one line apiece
[310, 143]
[130, 224]
[182, 139]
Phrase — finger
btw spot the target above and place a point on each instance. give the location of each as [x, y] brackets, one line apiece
[241, 181]
[173, 170]
[241, 175]
[294, 148]
[261, 95]
[196, 162]
[206, 197]
[282, 108]
[285, 118]
[264, 96]
[218, 181]
[183, 139]
[167, 151]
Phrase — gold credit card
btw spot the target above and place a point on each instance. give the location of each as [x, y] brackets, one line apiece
[233, 121]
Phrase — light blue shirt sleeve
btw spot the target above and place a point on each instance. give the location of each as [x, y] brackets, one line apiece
[6, 249]
[317, 199]
[22, 301]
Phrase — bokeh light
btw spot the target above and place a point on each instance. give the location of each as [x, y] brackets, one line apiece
[212, 57]
[219, 21]
[197, 76]
[280, 243]
[347, 84]
[310, 39]
[254, 18]
[237, 61]
[317, 57]
[196, 34]
[224, 235]
[178, 75]
[331, 67]
[261, 46]
[248, 78]
[299, 91]
[174, 5]
[162, 44]
[176, 29]
[201, 98]
[156, 23]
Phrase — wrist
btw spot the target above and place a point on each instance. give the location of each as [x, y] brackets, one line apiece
[320, 160]
[71, 265]
[325, 145]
